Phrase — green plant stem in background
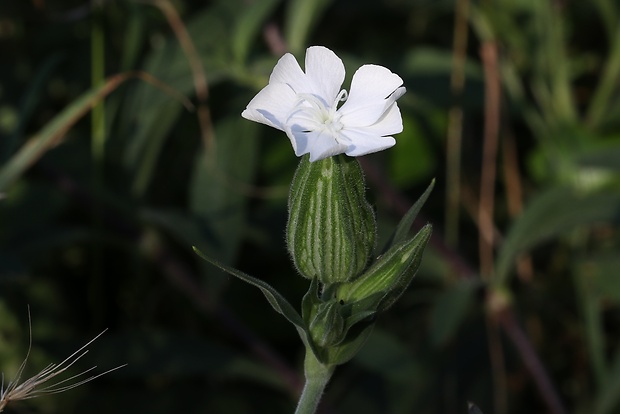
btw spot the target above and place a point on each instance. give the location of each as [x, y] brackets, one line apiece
[607, 85]
[97, 79]
[97, 57]
[317, 376]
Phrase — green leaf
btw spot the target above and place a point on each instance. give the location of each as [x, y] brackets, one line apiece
[385, 355]
[418, 243]
[148, 115]
[401, 231]
[248, 26]
[589, 297]
[310, 301]
[327, 326]
[347, 349]
[53, 132]
[426, 60]
[608, 399]
[605, 158]
[301, 15]
[601, 275]
[552, 214]
[388, 278]
[276, 300]
[219, 182]
[21, 117]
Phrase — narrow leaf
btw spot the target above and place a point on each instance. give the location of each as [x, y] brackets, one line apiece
[419, 244]
[277, 301]
[400, 233]
[301, 16]
[52, 134]
[249, 24]
[356, 338]
[551, 214]
[310, 301]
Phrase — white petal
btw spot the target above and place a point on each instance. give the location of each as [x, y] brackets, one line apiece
[325, 72]
[373, 89]
[288, 71]
[364, 142]
[390, 123]
[320, 144]
[305, 119]
[271, 105]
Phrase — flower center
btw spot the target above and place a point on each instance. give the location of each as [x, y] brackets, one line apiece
[316, 115]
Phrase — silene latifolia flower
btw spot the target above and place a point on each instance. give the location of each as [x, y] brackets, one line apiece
[331, 229]
[320, 118]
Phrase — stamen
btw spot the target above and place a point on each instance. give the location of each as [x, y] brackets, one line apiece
[312, 113]
[342, 96]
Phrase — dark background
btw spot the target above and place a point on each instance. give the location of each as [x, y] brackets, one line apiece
[97, 222]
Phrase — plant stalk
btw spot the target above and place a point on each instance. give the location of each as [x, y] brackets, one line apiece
[317, 377]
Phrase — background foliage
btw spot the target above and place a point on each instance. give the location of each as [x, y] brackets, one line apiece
[122, 145]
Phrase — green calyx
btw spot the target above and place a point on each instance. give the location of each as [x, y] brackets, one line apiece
[331, 228]
[386, 280]
[331, 236]
[336, 331]
[326, 328]
[340, 316]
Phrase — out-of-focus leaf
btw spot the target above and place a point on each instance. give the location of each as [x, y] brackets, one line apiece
[402, 377]
[248, 25]
[450, 310]
[427, 71]
[220, 183]
[608, 398]
[301, 15]
[355, 341]
[432, 61]
[385, 355]
[589, 292]
[551, 214]
[149, 116]
[133, 37]
[601, 275]
[52, 134]
[599, 166]
[28, 105]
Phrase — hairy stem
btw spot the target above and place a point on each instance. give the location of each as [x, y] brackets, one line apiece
[317, 377]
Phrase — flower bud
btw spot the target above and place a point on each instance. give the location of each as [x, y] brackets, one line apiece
[383, 283]
[331, 228]
[327, 327]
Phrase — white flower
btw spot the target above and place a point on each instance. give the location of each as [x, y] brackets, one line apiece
[305, 106]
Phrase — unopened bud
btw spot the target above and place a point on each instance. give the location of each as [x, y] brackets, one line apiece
[390, 275]
[331, 228]
[327, 326]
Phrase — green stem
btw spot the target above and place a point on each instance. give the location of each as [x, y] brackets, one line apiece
[317, 377]
[98, 136]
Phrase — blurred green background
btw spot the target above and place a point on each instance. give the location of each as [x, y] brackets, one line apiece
[122, 145]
